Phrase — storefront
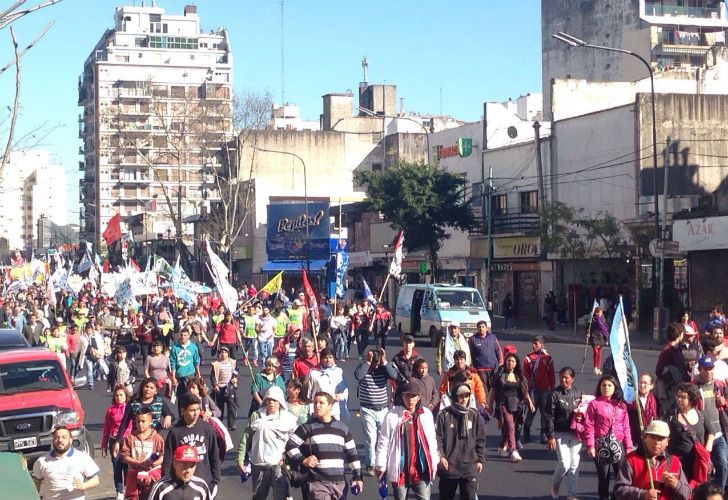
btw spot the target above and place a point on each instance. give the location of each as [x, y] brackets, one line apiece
[706, 242]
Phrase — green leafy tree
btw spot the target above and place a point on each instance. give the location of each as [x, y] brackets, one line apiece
[423, 199]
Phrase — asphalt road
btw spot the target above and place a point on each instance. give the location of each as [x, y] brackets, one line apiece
[500, 477]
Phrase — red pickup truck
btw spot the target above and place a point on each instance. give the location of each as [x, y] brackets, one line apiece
[37, 395]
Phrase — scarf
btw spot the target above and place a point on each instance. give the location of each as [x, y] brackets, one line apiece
[462, 415]
[420, 447]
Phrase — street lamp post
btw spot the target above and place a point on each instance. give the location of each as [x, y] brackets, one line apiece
[576, 42]
[369, 112]
[305, 198]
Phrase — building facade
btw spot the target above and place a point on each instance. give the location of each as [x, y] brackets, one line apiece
[156, 93]
[685, 40]
[33, 186]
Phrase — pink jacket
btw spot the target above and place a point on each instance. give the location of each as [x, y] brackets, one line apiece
[603, 413]
[111, 423]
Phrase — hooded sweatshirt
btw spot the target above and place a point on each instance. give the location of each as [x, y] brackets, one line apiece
[264, 440]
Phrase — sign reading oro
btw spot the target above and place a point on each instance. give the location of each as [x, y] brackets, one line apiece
[516, 248]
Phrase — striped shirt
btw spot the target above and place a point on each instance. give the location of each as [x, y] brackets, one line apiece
[331, 443]
[225, 374]
[372, 390]
[169, 488]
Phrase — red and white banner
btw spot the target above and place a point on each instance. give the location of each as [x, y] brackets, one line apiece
[395, 267]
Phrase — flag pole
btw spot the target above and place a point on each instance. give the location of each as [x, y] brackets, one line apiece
[586, 342]
[638, 404]
[384, 287]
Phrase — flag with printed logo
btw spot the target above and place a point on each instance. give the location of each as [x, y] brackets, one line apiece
[622, 354]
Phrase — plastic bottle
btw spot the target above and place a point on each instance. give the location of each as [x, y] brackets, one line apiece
[383, 489]
[355, 490]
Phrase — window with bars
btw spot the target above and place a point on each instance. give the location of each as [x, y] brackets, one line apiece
[529, 202]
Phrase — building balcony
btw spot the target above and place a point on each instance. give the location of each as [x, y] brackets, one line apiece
[658, 8]
[507, 223]
[134, 180]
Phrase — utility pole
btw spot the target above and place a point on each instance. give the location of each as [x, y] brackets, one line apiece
[490, 237]
[663, 239]
[539, 165]
[484, 194]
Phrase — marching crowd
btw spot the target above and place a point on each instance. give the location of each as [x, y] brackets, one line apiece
[668, 443]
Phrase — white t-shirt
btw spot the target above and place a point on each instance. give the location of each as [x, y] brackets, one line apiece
[266, 327]
[57, 474]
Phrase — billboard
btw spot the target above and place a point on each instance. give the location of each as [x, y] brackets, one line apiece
[286, 235]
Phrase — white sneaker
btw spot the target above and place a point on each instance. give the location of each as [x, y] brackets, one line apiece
[515, 456]
[503, 451]
[119, 496]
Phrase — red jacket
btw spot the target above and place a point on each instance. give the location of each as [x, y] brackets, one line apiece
[641, 480]
[538, 368]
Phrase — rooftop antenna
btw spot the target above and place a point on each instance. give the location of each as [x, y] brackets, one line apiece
[365, 67]
[283, 65]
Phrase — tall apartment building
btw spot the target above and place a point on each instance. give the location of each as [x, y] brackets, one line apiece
[32, 186]
[680, 39]
[156, 93]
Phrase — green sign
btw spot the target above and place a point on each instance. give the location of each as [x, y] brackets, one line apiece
[424, 267]
[465, 146]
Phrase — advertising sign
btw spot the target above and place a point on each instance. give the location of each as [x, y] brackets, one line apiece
[286, 235]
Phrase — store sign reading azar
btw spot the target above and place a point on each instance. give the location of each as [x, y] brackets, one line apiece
[463, 148]
[286, 225]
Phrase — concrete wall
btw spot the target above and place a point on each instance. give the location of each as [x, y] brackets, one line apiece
[593, 162]
[698, 126]
[596, 21]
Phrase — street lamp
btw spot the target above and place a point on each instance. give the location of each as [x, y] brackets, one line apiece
[369, 112]
[576, 42]
[305, 197]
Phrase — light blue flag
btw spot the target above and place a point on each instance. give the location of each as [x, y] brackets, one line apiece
[622, 354]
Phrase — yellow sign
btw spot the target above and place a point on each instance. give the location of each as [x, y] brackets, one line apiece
[522, 247]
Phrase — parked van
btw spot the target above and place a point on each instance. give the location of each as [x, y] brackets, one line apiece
[427, 309]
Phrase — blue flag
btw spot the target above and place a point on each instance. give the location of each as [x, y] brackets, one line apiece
[622, 355]
[368, 293]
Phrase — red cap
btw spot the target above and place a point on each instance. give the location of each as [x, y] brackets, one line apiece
[186, 453]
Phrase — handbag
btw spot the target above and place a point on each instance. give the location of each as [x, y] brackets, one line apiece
[609, 450]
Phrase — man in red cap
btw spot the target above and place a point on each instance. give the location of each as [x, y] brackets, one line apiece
[181, 483]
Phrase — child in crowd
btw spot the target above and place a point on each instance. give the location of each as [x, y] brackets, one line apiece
[143, 452]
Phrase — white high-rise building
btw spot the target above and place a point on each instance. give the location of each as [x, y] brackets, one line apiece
[32, 186]
[156, 93]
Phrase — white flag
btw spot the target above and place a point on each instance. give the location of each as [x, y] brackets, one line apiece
[219, 274]
[395, 267]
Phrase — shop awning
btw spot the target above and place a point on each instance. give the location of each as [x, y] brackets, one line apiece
[293, 265]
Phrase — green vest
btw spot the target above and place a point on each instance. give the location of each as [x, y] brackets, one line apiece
[296, 316]
[282, 325]
[250, 332]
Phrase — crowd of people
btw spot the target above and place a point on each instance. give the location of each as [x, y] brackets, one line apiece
[167, 429]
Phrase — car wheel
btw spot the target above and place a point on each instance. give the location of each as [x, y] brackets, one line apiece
[434, 336]
[88, 447]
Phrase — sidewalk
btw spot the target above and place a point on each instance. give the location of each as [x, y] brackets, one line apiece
[564, 334]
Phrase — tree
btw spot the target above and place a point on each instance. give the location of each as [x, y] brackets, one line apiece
[423, 199]
[234, 181]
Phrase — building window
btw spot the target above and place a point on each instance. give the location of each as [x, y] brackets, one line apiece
[376, 167]
[499, 204]
[529, 202]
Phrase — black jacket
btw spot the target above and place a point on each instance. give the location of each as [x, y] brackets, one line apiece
[461, 453]
[203, 437]
[556, 415]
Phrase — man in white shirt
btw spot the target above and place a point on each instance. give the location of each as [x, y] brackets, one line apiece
[65, 473]
[265, 326]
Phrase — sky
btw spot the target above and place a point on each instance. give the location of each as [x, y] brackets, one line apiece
[445, 57]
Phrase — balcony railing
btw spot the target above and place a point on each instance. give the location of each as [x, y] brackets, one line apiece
[657, 9]
[508, 223]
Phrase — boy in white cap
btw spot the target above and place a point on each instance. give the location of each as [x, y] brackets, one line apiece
[263, 443]
[668, 479]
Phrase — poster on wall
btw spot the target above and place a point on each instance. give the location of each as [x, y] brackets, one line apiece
[286, 233]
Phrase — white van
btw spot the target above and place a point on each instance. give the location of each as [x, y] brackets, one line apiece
[427, 309]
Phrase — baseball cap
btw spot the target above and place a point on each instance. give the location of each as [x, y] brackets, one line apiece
[462, 389]
[706, 362]
[454, 324]
[186, 453]
[658, 428]
[409, 338]
[297, 302]
[411, 387]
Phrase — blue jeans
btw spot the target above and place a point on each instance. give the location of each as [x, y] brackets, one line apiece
[251, 347]
[341, 348]
[719, 455]
[120, 469]
[371, 426]
[265, 349]
[92, 365]
[421, 491]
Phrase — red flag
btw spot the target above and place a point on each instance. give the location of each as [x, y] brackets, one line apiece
[311, 301]
[106, 265]
[113, 230]
[395, 267]
[134, 265]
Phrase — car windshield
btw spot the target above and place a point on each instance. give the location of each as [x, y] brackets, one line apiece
[459, 299]
[37, 375]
